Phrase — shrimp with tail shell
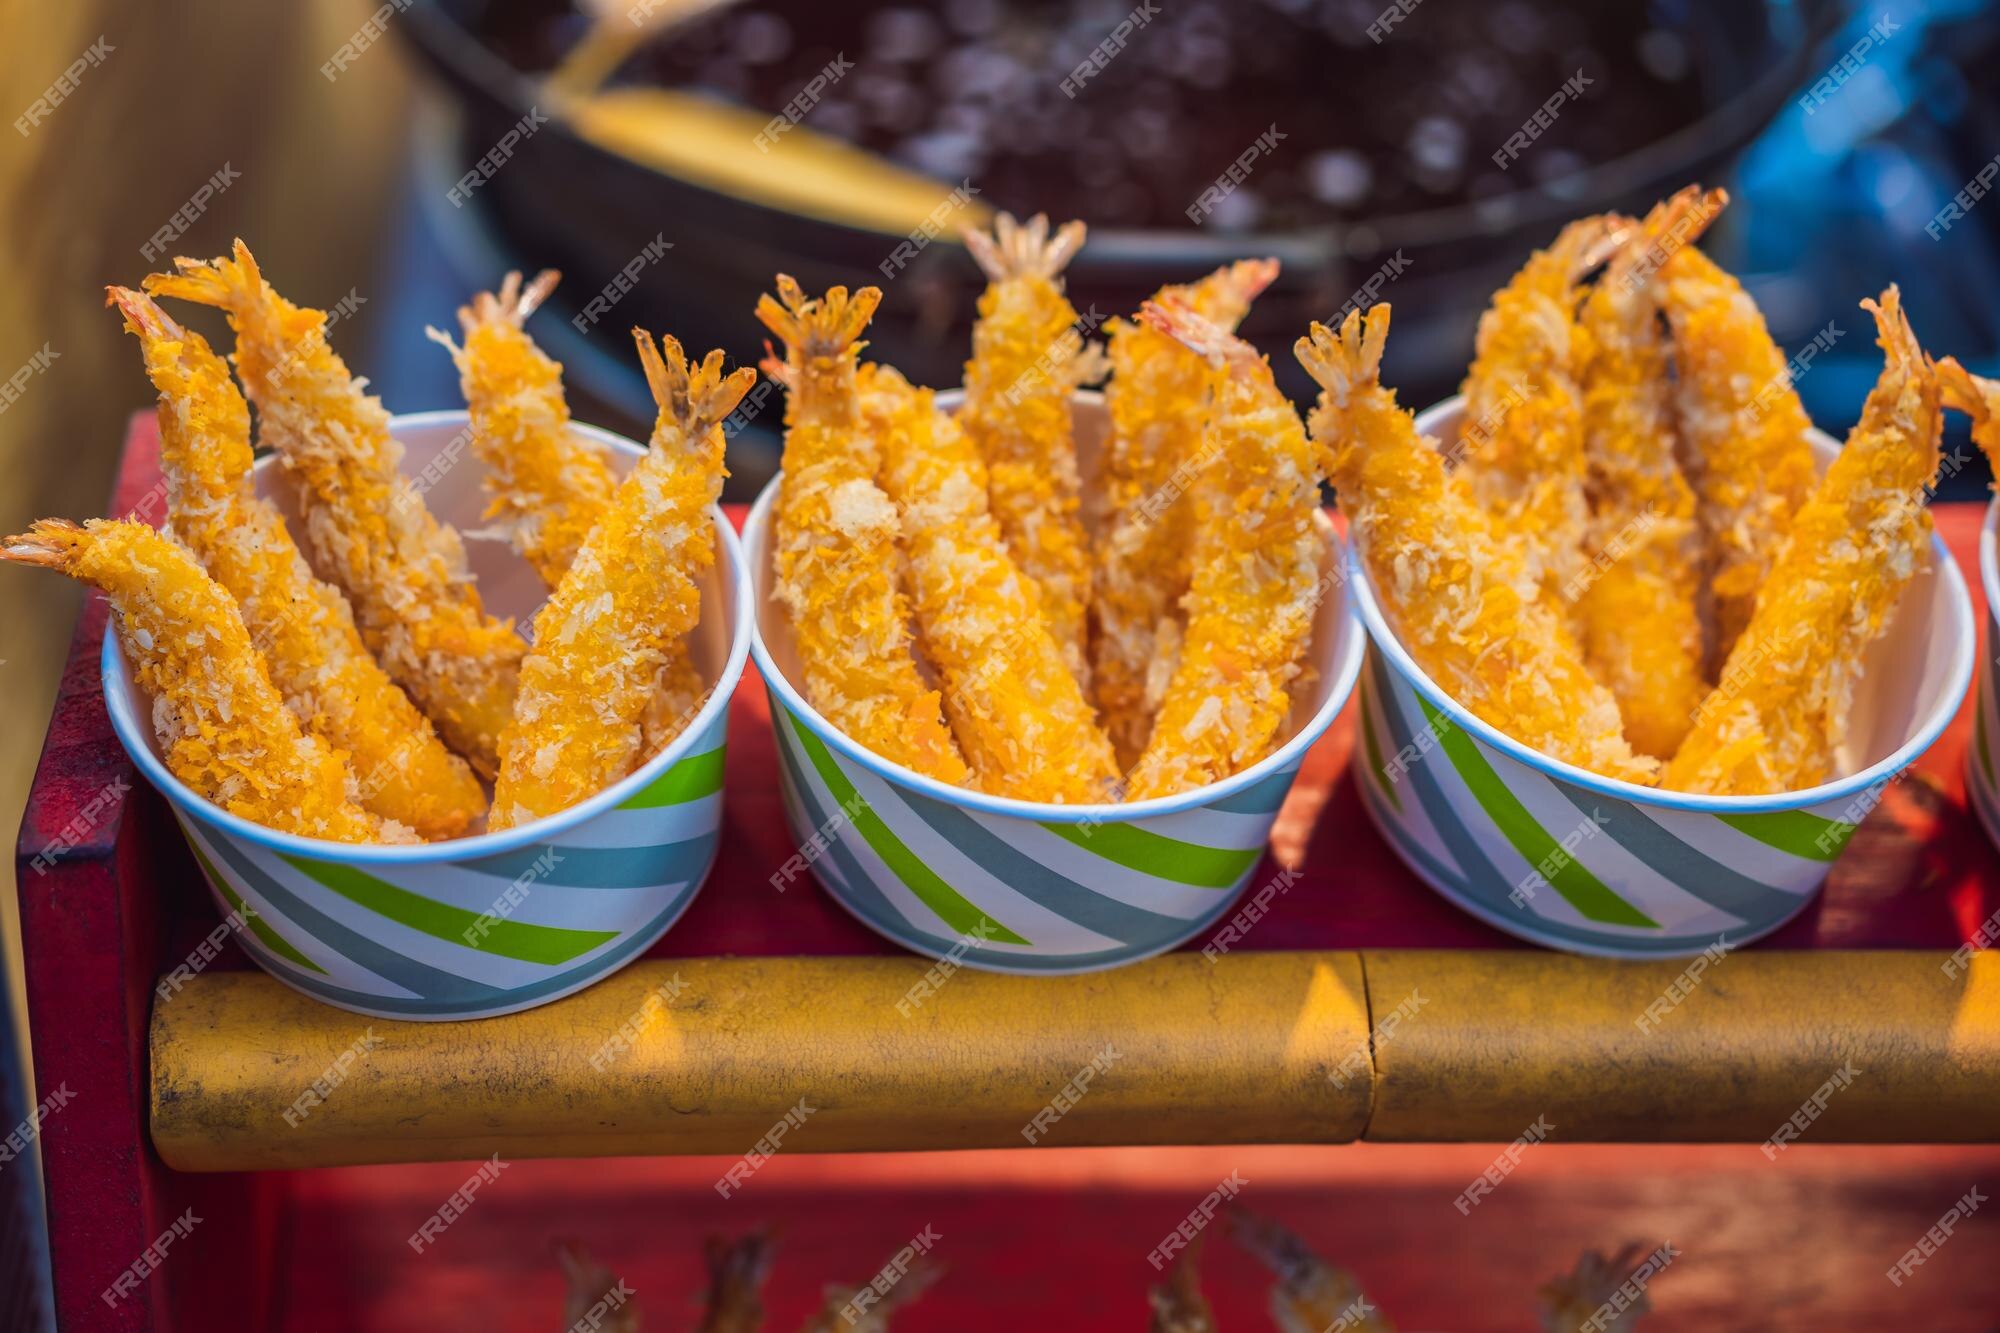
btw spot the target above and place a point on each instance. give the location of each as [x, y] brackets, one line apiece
[1027, 358]
[626, 598]
[1461, 598]
[1157, 399]
[368, 530]
[547, 485]
[1310, 1295]
[834, 537]
[301, 625]
[223, 728]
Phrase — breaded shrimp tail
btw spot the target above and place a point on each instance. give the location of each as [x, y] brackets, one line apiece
[367, 529]
[1157, 399]
[1979, 399]
[1778, 718]
[1581, 1297]
[222, 726]
[1461, 600]
[300, 624]
[1257, 572]
[1523, 446]
[1027, 358]
[1019, 715]
[1637, 601]
[835, 543]
[603, 639]
[1743, 432]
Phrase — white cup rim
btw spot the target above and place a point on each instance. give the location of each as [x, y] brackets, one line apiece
[1921, 738]
[113, 669]
[1343, 670]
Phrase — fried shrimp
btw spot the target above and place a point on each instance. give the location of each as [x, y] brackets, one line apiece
[602, 638]
[1027, 358]
[1777, 719]
[1018, 713]
[1461, 599]
[301, 625]
[1979, 399]
[223, 727]
[1637, 603]
[1310, 1294]
[1587, 1294]
[1179, 1306]
[1157, 398]
[1743, 433]
[549, 486]
[1523, 454]
[835, 546]
[367, 528]
[847, 1311]
[1256, 580]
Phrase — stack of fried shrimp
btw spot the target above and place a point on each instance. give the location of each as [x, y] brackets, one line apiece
[1626, 560]
[946, 592]
[278, 677]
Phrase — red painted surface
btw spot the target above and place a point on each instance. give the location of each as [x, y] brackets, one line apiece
[122, 901]
[1058, 1240]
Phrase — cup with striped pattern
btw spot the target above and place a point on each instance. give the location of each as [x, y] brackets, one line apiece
[1982, 760]
[1022, 886]
[1591, 865]
[499, 922]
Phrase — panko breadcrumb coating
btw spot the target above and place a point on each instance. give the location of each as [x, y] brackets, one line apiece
[1979, 399]
[1779, 716]
[1461, 599]
[223, 727]
[629, 594]
[1157, 399]
[1018, 713]
[1743, 432]
[1523, 446]
[834, 539]
[301, 625]
[367, 528]
[549, 485]
[1638, 601]
[1256, 578]
[1027, 358]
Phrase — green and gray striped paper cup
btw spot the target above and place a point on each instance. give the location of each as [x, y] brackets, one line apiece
[482, 925]
[1982, 766]
[1588, 864]
[1020, 886]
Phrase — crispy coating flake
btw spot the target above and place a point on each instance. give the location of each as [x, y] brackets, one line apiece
[301, 625]
[1637, 603]
[1523, 454]
[367, 528]
[1018, 713]
[1743, 433]
[549, 485]
[1778, 718]
[1256, 579]
[1979, 399]
[1310, 1295]
[1462, 600]
[222, 724]
[1027, 358]
[835, 536]
[602, 639]
[1157, 398]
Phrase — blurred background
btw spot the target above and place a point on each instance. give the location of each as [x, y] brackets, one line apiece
[386, 160]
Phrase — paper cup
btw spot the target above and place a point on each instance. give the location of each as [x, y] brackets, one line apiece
[1982, 766]
[1563, 857]
[1022, 886]
[482, 925]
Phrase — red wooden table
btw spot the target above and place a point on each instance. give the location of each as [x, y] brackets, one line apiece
[110, 899]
